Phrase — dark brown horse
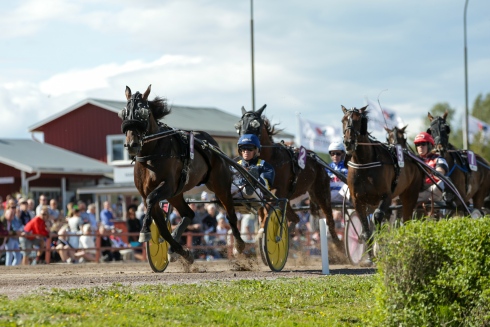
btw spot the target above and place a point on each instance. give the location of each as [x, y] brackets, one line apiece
[164, 168]
[291, 181]
[374, 178]
[470, 184]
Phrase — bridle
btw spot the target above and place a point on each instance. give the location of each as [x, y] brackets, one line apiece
[353, 132]
[135, 117]
[252, 122]
[439, 130]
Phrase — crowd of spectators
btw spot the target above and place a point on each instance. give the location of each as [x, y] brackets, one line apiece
[25, 228]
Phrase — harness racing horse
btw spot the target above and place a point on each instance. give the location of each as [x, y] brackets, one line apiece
[164, 168]
[291, 181]
[374, 177]
[470, 184]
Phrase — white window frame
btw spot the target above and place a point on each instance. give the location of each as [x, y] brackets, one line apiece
[109, 142]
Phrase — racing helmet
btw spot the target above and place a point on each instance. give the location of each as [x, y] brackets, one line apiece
[423, 137]
[336, 146]
[249, 139]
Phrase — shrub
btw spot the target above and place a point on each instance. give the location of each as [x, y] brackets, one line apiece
[434, 274]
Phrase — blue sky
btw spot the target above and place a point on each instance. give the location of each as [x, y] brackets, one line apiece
[311, 57]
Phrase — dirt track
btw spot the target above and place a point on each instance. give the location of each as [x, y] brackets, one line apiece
[21, 280]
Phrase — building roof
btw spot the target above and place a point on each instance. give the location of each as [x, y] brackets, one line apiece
[212, 120]
[31, 156]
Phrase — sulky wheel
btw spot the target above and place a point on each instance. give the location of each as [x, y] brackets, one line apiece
[157, 249]
[276, 240]
[355, 244]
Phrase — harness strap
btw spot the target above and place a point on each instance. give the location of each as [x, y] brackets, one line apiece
[364, 166]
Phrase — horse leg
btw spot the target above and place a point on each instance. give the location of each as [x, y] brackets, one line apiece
[320, 194]
[152, 203]
[383, 207]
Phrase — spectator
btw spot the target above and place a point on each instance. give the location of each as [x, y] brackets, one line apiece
[248, 227]
[209, 224]
[69, 209]
[106, 216]
[31, 208]
[303, 226]
[43, 201]
[135, 202]
[134, 226]
[37, 227]
[87, 245]
[82, 207]
[14, 228]
[91, 216]
[63, 246]
[75, 225]
[54, 213]
[222, 229]
[108, 253]
[24, 215]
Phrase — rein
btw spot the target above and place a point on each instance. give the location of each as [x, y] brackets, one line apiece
[440, 176]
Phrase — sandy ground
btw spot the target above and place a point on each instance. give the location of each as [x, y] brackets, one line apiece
[20, 280]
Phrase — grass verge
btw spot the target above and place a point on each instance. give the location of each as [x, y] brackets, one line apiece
[335, 300]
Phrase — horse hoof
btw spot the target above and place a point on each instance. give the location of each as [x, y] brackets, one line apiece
[189, 257]
[366, 263]
[239, 246]
[144, 237]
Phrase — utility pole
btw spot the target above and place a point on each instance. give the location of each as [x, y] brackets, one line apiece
[465, 127]
[252, 49]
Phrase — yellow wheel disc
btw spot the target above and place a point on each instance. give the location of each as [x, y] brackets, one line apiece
[276, 241]
[157, 250]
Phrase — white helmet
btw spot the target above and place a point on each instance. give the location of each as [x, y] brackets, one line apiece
[336, 146]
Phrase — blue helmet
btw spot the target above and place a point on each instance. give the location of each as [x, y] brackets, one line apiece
[251, 139]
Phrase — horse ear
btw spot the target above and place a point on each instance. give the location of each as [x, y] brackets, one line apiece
[363, 109]
[128, 93]
[147, 93]
[404, 128]
[430, 116]
[243, 111]
[259, 112]
[445, 115]
[344, 109]
[387, 129]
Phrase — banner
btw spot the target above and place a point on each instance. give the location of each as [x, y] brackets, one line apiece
[379, 117]
[317, 137]
[476, 126]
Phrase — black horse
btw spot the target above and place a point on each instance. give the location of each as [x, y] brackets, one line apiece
[164, 167]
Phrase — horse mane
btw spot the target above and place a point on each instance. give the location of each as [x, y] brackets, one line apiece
[271, 129]
[159, 108]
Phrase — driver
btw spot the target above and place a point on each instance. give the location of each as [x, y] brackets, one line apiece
[338, 189]
[249, 150]
[425, 144]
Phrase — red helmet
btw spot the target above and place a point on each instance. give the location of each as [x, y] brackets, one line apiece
[423, 137]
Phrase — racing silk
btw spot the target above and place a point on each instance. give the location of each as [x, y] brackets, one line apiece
[435, 161]
[264, 170]
[335, 183]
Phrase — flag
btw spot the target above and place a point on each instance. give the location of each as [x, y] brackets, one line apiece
[381, 116]
[317, 137]
[476, 126]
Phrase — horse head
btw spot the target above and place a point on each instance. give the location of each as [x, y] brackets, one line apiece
[251, 122]
[354, 124]
[140, 118]
[397, 136]
[439, 129]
